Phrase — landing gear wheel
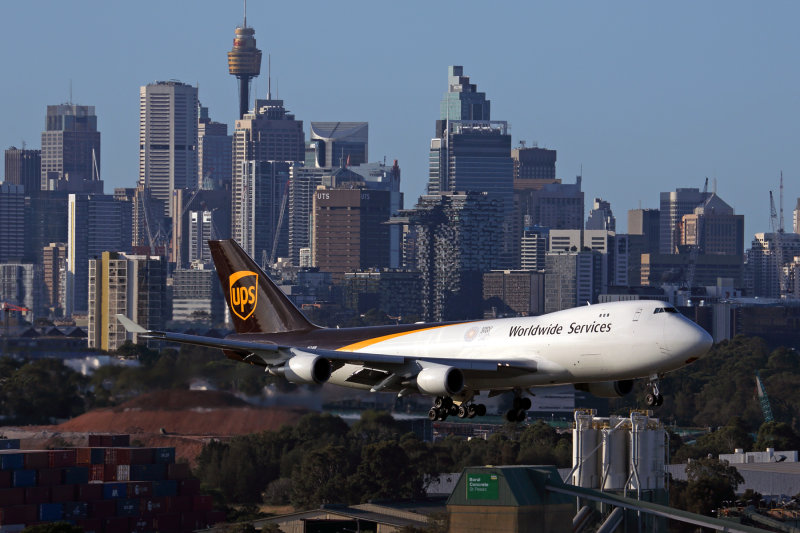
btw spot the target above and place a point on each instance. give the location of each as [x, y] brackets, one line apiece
[472, 410]
[654, 397]
[650, 400]
[480, 410]
[433, 414]
[453, 409]
[442, 401]
[463, 411]
[525, 403]
[511, 415]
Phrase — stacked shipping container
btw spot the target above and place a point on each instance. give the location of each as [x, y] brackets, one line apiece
[106, 487]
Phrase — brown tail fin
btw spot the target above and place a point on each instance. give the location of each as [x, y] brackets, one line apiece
[256, 304]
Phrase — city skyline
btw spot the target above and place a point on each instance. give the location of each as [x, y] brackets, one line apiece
[644, 99]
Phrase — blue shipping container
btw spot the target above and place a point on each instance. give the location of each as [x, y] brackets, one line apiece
[165, 455]
[11, 461]
[9, 444]
[155, 472]
[128, 507]
[162, 489]
[73, 510]
[23, 478]
[115, 490]
[50, 512]
[76, 475]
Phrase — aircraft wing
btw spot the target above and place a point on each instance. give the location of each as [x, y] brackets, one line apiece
[266, 354]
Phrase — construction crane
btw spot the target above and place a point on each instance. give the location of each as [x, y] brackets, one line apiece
[763, 398]
[276, 237]
[776, 225]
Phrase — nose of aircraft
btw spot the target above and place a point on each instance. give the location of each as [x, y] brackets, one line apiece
[689, 340]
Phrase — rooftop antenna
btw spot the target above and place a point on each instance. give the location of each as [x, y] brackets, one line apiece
[70, 91]
[269, 76]
[245, 13]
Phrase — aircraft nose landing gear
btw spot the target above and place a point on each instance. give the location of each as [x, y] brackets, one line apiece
[654, 397]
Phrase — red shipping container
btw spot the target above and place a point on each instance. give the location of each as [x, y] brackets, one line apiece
[102, 509]
[103, 473]
[62, 493]
[167, 522]
[202, 503]
[118, 456]
[179, 471]
[189, 487]
[10, 497]
[47, 477]
[35, 460]
[37, 495]
[152, 506]
[179, 504]
[61, 458]
[141, 456]
[5, 479]
[90, 492]
[140, 489]
[91, 525]
[90, 456]
[216, 517]
[119, 524]
[20, 514]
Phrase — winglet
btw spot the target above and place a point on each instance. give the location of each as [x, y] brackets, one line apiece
[129, 325]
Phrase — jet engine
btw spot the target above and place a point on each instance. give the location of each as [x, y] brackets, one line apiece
[305, 368]
[440, 380]
[607, 389]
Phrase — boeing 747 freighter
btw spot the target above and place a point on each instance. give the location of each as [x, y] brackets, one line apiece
[599, 348]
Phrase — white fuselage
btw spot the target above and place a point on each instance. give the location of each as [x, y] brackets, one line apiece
[602, 342]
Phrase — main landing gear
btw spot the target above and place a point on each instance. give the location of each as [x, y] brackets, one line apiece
[519, 409]
[653, 398]
[444, 406]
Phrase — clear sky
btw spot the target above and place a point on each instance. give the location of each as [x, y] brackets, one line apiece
[644, 96]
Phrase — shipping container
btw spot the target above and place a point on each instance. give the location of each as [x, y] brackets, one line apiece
[151, 472]
[5, 479]
[164, 455]
[62, 493]
[179, 504]
[179, 471]
[9, 444]
[75, 475]
[91, 525]
[62, 458]
[35, 460]
[11, 460]
[202, 503]
[20, 514]
[167, 522]
[141, 525]
[109, 440]
[142, 456]
[90, 492]
[128, 507]
[189, 487]
[23, 478]
[11, 497]
[90, 456]
[102, 509]
[165, 488]
[120, 524]
[152, 506]
[118, 456]
[37, 495]
[115, 490]
[75, 510]
[51, 512]
[140, 489]
[47, 477]
[123, 472]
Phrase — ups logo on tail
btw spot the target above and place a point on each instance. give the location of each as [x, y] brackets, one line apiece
[244, 293]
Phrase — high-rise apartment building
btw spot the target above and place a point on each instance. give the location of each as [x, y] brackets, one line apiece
[71, 149]
[24, 167]
[674, 205]
[572, 279]
[766, 262]
[54, 271]
[214, 153]
[197, 296]
[340, 144]
[96, 223]
[349, 230]
[513, 293]
[457, 236]
[131, 285]
[534, 247]
[167, 139]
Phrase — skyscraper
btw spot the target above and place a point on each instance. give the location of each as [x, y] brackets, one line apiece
[167, 138]
[558, 205]
[71, 149]
[601, 217]
[260, 219]
[12, 223]
[24, 167]
[339, 144]
[214, 153]
[674, 205]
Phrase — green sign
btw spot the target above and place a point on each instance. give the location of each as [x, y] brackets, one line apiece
[482, 486]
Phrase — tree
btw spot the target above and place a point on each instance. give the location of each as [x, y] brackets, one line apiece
[710, 482]
[43, 390]
[384, 473]
[777, 435]
[322, 478]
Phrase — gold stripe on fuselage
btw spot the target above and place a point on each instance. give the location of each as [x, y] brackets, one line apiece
[369, 342]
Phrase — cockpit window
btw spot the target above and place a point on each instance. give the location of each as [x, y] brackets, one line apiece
[658, 310]
[664, 310]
